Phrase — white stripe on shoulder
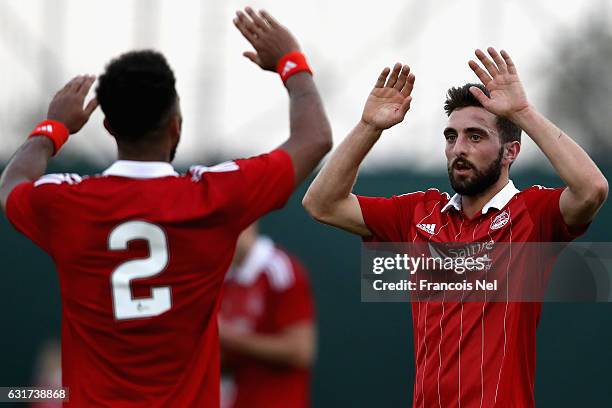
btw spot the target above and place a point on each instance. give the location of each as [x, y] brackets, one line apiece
[542, 187]
[412, 192]
[280, 272]
[198, 171]
[58, 178]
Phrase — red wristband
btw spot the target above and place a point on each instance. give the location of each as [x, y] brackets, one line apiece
[291, 64]
[54, 130]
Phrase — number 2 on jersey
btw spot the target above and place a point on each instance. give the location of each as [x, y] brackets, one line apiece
[124, 305]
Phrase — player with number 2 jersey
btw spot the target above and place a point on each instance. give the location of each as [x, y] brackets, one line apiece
[141, 251]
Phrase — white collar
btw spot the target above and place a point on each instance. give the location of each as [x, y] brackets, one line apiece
[140, 169]
[498, 201]
[254, 262]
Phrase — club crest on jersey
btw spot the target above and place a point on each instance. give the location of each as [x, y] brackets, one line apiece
[501, 220]
[428, 228]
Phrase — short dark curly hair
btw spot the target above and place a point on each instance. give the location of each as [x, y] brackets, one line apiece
[137, 93]
[461, 97]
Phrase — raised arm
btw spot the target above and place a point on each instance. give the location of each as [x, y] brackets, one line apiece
[329, 198]
[310, 134]
[31, 159]
[587, 188]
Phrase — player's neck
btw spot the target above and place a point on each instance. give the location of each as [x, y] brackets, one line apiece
[153, 155]
[472, 205]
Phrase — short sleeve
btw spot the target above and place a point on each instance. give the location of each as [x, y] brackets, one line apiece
[545, 210]
[25, 209]
[384, 217]
[294, 304]
[267, 182]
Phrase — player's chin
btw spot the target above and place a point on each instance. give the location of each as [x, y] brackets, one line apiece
[462, 183]
[462, 177]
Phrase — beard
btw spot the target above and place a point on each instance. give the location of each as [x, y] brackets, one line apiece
[480, 181]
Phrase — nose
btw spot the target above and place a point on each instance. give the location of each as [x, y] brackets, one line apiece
[461, 146]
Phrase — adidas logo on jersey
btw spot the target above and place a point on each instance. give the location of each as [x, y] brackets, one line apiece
[288, 67]
[428, 228]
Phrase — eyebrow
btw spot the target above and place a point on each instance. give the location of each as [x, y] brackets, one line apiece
[478, 130]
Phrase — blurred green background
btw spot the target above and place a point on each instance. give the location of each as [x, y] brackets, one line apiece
[365, 354]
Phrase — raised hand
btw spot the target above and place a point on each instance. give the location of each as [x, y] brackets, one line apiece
[270, 39]
[67, 104]
[390, 99]
[507, 96]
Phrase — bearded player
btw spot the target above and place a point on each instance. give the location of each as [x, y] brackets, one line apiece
[142, 251]
[474, 354]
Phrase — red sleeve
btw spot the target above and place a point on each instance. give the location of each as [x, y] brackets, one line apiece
[25, 209]
[385, 217]
[544, 209]
[294, 304]
[267, 183]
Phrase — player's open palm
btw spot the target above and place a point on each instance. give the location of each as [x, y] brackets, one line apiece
[507, 95]
[270, 39]
[67, 104]
[390, 99]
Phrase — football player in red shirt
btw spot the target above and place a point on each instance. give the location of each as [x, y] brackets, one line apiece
[468, 354]
[266, 327]
[142, 251]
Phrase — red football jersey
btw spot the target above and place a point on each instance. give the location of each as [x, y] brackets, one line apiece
[472, 354]
[266, 294]
[141, 254]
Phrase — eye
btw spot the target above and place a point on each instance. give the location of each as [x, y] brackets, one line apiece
[475, 138]
[450, 138]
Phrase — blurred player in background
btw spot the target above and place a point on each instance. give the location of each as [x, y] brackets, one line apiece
[140, 250]
[48, 371]
[266, 327]
[474, 354]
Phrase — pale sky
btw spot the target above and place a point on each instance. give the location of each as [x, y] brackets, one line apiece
[230, 107]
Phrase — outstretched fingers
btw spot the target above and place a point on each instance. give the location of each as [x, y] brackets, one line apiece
[382, 78]
[403, 77]
[484, 77]
[409, 85]
[84, 90]
[397, 68]
[245, 26]
[85, 85]
[91, 107]
[260, 24]
[73, 84]
[488, 64]
[499, 61]
[509, 62]
[497, 64]
[272, 22]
